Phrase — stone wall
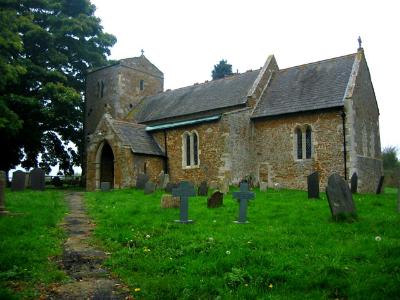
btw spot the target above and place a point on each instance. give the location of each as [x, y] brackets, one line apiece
[362, 128]
[150, 165]
[274, 149]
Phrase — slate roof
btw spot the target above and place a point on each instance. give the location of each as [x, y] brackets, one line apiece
[307, 87]
[137, 138]
[213, 95]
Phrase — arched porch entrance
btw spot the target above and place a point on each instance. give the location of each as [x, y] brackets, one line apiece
[105, 165]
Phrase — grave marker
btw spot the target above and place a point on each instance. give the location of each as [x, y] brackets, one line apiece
[170, 186]
[18, 181]
[215, 200]
[149, 187]
[380, 184]
[203, 189]
[105, 186]
[163, 180]
[398, 199]
[243, 196]
[141, 181]
[37, 176]
[313, 185]
[339, 197]
[3, 184]
[354, 183]
[184, 191]
[169, 201]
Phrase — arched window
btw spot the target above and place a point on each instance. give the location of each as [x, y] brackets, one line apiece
[303, 142]
[299, 144]
[141, 84]
[190, 149]
[308, 142]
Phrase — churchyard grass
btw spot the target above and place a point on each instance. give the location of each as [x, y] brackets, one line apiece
[29, 238]
[291, 249]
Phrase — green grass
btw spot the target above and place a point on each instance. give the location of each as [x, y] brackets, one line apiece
[28, 239]
[291, 249]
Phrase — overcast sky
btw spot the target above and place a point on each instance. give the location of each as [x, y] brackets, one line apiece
[185, 39]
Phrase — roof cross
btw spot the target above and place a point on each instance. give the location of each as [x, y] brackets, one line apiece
[142, 52]
[359, 42]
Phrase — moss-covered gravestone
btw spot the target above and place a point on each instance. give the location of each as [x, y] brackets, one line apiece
[340, 198]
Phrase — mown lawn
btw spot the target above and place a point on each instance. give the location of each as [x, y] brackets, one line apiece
[291, 249]
[29, 237]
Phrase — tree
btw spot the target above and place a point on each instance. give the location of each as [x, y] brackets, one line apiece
[221, 70]
[46, 47]
[391, 166]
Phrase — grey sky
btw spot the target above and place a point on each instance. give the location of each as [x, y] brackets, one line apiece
[184, 39]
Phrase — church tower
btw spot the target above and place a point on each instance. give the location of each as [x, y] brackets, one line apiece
[119, 88]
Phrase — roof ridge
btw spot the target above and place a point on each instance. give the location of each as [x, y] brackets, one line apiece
[128, 123]
[318, 62]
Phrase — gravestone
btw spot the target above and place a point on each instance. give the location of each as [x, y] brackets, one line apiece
[263, 186]
[105, 186]
[215, 200]
[339, 197]
[169, 201]
[56, 181]
[37, 176]
[243, 197]
[380, 184]
[354, 183]
[184, 191]
[203, 189]
[141, 181]
[398, 199]
[223, 186]
[3, 183]
[163, 180]
[313, 185]
[18, 181]
[170, 186]
[149, 187]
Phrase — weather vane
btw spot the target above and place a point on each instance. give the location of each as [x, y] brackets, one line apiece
[142, 51]
[359, 42]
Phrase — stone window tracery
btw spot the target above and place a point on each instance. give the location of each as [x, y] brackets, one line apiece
[190, 149]
[303, 142]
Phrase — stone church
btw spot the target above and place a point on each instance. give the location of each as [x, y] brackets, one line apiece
[273, 125]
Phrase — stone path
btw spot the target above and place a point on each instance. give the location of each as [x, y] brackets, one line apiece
[82, 262]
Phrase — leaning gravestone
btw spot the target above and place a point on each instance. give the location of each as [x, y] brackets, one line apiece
[184, 191]
[215, 200]
[169, 201]
[105, 186]
[163, 180]
[339, 197]
[37, 176]
[313, 185]
[203, 189]
[354, 183]
[149, 187]
[3, 183]
[18, 181]
[380, 184]
[170, 186]
[243, 196]
[141, 181]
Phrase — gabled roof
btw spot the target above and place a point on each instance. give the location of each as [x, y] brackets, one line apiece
[313, 86]
[217, 94]
[142, 64]
[137, 138]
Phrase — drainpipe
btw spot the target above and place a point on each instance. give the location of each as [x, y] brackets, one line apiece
[166, 167]
[344, 143]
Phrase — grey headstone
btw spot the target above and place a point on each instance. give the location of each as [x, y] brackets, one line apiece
[18, 181]
[184, 191]
[141, 181]
[313, 185]
[3, 183]
[170, 186]
[339, 196]
[243, 196]
[215, 200]
[398, 198]
[163, 180]
[37, 176]
[105, 186]
[150, 187]
[56, 181]
[263, 186]
[380, 184]
[354, 183]
[203, 189]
